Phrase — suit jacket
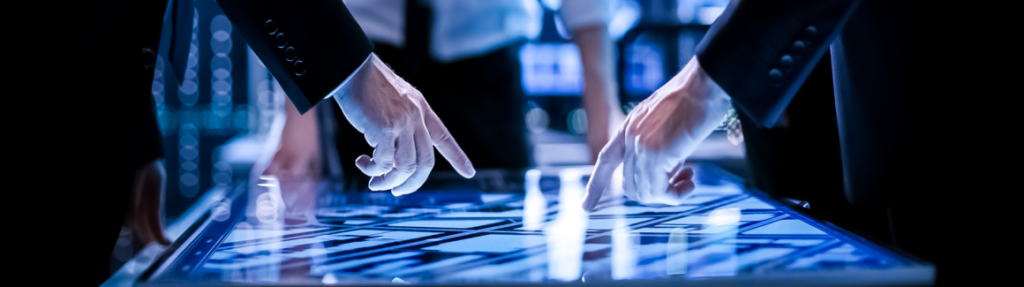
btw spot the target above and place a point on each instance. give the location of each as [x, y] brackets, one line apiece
[760, 53]
[310, 47]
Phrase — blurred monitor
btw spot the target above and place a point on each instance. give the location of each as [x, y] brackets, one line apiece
[551, 69]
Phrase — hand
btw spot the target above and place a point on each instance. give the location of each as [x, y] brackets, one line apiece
[298, 154]
[656, 138]
[399, 124]
[144, 214]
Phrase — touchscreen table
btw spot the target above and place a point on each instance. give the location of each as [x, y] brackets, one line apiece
[534, 233]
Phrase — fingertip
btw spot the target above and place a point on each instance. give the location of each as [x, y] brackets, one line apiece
[688, 185]
[687, 173]
[682, 187]
[680, 175]
[587, 207]
[375, 183]
[363, 162]
[370, 166]
[467, 170]
[470, 173]
[590, 202]
[363, 159]
[403, 189]
[400, 190]
[408, 187]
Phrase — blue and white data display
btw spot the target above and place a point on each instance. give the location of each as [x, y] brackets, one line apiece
[541, 235]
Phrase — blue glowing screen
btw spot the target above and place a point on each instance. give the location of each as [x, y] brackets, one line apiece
[535, 234]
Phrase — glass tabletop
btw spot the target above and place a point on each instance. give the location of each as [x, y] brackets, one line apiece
[531, 229]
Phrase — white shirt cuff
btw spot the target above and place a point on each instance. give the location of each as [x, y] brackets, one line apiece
[345, 82]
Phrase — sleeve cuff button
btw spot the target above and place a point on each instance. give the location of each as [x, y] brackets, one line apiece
[271, 26]
[811, 31]
[299, 68]
[775, 76]
[290, 54]
[786, 63]
[798, 47]
[281, 40]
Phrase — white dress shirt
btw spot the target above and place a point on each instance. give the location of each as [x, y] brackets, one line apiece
[466, 28]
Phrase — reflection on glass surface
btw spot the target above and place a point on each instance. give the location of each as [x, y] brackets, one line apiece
[456, 234]
[221, 211]
[724, 217]
[718, 259]
[535, 207]
[267, 207]
[676, 259]
[258, 261]
[624, 245]
[566, 234]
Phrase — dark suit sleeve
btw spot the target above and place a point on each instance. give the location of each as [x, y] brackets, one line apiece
[760, 52]
[310, 47]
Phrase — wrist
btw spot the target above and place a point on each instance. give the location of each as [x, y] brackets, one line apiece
[705, 87]
[358, 76]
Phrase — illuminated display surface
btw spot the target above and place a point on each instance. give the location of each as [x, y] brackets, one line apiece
[465, 236]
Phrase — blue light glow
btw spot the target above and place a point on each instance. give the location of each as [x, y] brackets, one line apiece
[551, 69]
[644, 70]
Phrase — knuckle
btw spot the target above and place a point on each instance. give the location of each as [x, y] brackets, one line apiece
[608, 155]
[429, 162]
[632, 130]
[444, 136]
[390, 130]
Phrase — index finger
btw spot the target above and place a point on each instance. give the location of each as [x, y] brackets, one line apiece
[609, 158]
[446, 145]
